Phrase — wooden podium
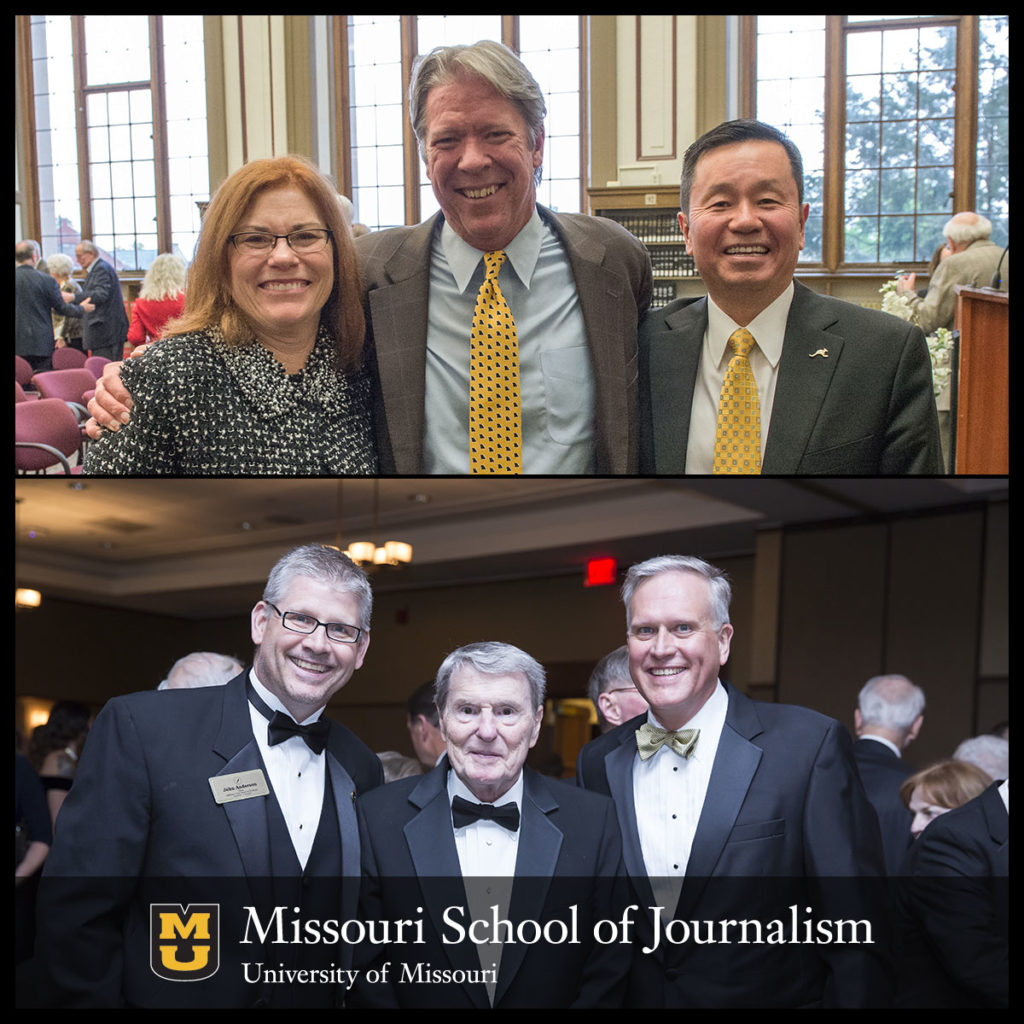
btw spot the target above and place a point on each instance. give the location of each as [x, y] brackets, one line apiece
[983, 391]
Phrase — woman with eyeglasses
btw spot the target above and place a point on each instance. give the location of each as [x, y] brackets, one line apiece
[263, 372]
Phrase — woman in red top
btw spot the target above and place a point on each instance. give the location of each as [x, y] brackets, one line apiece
[162, 299]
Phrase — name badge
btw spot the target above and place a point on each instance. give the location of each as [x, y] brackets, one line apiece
[228, 788]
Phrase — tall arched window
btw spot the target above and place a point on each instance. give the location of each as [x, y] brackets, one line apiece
[116, 133]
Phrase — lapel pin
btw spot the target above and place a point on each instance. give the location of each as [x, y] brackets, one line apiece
[821, 352]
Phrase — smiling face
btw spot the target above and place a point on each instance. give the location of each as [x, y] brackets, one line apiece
[745, 225]
[282, 292]
[480, 162]
[675, 651]
[304, 670]
[489, 727]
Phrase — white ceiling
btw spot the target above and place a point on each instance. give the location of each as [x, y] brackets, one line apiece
[203, 548]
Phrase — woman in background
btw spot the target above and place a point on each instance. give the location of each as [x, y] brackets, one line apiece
[67, 330]
[162, 298]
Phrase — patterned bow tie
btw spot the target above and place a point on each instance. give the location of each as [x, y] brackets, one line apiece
[650, 739]
[465, 812]
[282, 727]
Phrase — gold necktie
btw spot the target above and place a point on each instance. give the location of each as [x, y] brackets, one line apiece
[650, 739]
[738, 432]
[495, 417]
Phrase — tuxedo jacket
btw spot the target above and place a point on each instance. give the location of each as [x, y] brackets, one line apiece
[569, 854]
[105, 329]
[954, 908]
[785, 821]
[882, 773]
[141, 825]
[613, 279]
[36, 295]
[864, 408]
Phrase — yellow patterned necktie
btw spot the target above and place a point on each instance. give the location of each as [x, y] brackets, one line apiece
[495, 415]
[738, 431]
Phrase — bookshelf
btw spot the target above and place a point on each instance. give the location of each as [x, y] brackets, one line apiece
[650, 213]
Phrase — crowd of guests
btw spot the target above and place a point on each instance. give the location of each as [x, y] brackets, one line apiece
[88, 314]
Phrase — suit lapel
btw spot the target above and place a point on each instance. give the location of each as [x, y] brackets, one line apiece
[399, 322]
[237, 745]
[540, 842]
[601, 296]
[803, 382]
[672, 356]
[618, 766]
[431, 844]
[736, 762]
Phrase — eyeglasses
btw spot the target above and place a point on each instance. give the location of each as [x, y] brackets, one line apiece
[308, 240]
[339, 632]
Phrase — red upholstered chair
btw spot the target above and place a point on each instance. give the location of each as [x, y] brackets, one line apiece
[70, 385]
[46, 434]
[68, 358]
[95, 364]
[21, 396]
[23, 372]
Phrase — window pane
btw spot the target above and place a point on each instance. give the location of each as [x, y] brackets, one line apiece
[791, 96]
[116, 48]
[993, 168]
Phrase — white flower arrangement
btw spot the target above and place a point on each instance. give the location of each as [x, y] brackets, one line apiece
[940, 344]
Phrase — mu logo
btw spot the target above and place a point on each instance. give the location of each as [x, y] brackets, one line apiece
[184, 942]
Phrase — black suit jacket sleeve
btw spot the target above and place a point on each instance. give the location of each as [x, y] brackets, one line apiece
[104, 821]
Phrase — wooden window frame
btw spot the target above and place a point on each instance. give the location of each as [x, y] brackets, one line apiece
[965, 119]
[342, 156]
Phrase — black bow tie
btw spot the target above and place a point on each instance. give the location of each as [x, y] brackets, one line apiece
[283, 727]
[465, 812]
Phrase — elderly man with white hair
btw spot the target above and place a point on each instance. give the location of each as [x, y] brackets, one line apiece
[990, 753]
[890, 710]
[972, 260]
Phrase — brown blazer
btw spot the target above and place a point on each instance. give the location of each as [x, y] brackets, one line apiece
[613, 278]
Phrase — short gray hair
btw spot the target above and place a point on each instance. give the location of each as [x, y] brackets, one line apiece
[612, 668]
[326, 565]
[495, 64]
[720, 591]
[60, 263]
[491, 658]
[989, 753]
[201, 668]
[890, 701]
[964, 231]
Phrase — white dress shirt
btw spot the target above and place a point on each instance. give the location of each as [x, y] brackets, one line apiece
[769, 331]
[487, 856]
[668, 793]
[296, 774]
[555, 375]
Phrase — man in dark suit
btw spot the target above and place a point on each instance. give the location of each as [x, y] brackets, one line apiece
[483, 838]
[187, 798]
[732, 810]
[954, 904]
[104, 330]
[36, 295]
[576, 286]
[889, 714]
[763, 375]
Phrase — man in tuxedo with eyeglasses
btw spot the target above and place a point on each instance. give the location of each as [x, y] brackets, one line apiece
[240, 795]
